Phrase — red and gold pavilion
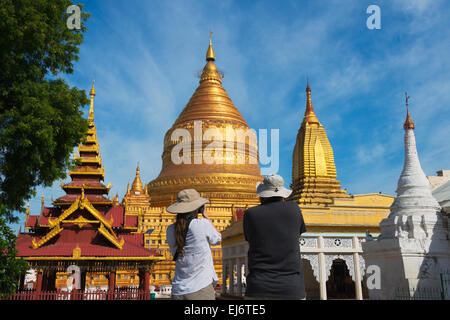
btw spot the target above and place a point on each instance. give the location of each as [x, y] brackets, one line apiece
[87, 230]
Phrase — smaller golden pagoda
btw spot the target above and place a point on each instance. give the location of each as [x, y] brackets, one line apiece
[325, 206]
[313, 170]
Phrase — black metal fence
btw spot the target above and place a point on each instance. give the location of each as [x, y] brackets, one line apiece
[442, 293]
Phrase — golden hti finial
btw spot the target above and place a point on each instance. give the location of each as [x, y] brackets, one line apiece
[310, 116]
[42, 199]
[91, 109]
[210, 56]
[409, 124]
[27, 213]
[137, 183]
[128, 188]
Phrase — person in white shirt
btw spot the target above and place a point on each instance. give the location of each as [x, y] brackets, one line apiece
[189, 240]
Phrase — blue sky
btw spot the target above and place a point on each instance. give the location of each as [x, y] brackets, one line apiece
[144, 56]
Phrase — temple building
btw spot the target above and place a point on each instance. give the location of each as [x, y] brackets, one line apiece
[442, 195]
[413, 250]
[441, 178]
[336, 222]
[86, 232]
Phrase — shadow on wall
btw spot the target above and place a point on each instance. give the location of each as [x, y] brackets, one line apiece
[434, 272]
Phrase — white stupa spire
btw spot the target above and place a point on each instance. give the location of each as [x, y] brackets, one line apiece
[413, 188]
[414, 205]
[413, 248]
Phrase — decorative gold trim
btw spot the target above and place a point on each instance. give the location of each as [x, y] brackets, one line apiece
[93, 258]
[111, 237]
[57, 229]
[76, 254]
[80, 221]
[65, 214]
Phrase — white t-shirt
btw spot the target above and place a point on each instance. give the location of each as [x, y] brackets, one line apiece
[195, 269]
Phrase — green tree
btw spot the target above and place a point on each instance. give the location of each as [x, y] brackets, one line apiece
[41, 119]
[10, 267]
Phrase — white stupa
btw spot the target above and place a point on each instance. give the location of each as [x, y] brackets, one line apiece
[413, 247]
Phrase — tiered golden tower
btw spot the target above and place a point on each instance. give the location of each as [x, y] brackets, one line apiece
[313, 169]
[325, 206]
[228, 181]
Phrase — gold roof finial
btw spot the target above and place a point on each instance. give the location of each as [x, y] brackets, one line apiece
[92, 93]
[42, 199]
[128, 188]
[210, 53]
[137, 183]
[91, 109]
[310, 115]
[27, 213]
[409, 124]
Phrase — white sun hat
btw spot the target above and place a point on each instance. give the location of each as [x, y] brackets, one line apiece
[272, 186]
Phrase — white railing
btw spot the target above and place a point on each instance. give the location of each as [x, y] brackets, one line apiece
[320, 250]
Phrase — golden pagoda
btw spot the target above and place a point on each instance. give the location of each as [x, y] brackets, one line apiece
[313, 169]
[224, 182]
[325, 206]
[228, 181]
[136, 200]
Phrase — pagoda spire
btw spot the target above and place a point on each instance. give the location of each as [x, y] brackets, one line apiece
[413, 188]
[210, 56]
[137, 183]
[310, 115]
[313, 169]
[210, 72]
[89, 172]
[91, 109]
[409, 124]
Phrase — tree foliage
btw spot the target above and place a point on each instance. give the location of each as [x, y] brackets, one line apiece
[41, 120]
[10, 267]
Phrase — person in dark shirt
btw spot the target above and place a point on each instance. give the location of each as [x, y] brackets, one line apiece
[273, 231]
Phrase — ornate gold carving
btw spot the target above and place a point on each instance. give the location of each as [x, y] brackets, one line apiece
[76, 253]
[80, 221]
[53, 232]
[111, 237]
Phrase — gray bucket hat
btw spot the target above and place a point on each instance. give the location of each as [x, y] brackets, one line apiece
[272, 186]
[188, 200]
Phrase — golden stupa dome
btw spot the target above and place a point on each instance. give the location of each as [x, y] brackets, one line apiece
[227, 175]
